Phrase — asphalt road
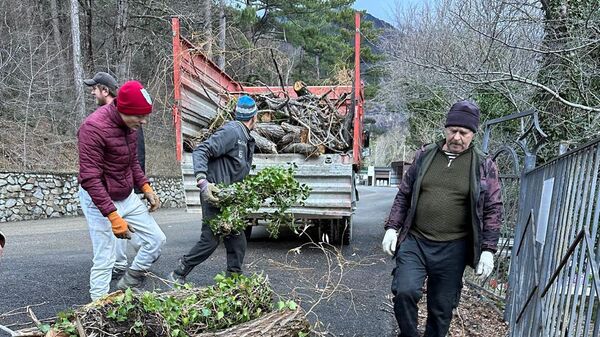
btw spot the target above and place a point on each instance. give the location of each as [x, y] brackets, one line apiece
[47, 262]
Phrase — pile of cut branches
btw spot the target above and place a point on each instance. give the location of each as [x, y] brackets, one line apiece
[309, 124]
[273, 186]
[234, 306]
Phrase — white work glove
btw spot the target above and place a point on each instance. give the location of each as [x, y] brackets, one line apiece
[485, 265]
[389, 241]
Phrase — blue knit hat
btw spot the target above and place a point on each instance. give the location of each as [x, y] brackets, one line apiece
[245, 108]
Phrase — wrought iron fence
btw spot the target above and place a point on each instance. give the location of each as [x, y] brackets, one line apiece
[554, 285]
[512, 157]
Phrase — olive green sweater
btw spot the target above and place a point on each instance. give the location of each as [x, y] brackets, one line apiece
[442, 212]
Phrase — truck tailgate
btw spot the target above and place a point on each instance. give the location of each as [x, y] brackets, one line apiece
[330, 177]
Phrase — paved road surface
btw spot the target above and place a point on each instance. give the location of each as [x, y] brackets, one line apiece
[47, 262]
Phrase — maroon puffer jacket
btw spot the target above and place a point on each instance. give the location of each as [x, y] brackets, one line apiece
[108, 164]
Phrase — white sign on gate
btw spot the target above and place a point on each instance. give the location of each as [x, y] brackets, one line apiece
[544, 212]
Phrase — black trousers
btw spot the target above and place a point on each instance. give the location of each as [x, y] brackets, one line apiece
[443, 263]
[235, 245]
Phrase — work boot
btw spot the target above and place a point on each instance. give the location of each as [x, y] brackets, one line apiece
[117, 273]
[178, 275]
[133, 279]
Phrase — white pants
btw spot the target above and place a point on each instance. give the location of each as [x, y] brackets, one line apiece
[150, 239]
[121, 250]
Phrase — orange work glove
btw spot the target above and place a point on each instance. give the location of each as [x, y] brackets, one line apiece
[120, 227]
[151, 197]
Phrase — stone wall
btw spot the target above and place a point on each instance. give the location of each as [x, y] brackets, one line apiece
[25, 196]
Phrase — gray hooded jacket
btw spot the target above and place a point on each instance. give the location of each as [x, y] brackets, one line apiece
[226, 156]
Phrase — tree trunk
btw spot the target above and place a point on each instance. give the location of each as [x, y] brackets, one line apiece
[57, 37]
[263, 145]
[554, 73]
[271, 131]
[77, 66]
[292, 135]
[284, 323]
[122, 48]
[208, 27]
[305, 149]
[222, 28]
[88, 37]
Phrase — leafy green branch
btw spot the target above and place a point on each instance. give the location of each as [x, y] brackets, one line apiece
[273, 186]
[182, 312]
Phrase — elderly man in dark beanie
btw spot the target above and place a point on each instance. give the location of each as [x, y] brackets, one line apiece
[447, 215]
[108, 172]
[224, 158]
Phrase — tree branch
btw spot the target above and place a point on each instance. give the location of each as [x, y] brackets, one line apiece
[503, 77]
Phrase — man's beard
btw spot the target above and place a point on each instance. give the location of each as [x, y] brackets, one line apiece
[100, 101]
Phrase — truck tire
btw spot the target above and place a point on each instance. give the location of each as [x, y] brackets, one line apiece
[340, 231]
[345, 227]
[248, 231]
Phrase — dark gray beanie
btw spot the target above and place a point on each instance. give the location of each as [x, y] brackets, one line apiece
[464, 114]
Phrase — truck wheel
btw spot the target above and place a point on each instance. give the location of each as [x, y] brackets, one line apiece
[340, 231]
[345, 228]
[248, 231]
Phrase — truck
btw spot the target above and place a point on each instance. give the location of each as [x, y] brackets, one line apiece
[200, 86]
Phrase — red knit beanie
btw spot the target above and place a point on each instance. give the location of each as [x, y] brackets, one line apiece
[133, 99]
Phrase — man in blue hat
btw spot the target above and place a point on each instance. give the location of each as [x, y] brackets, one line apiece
[224, 158]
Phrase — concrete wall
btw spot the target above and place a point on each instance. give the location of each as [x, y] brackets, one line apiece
[26, 196]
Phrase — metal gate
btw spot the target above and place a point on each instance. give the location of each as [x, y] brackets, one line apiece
[512, 158]
[554, 285]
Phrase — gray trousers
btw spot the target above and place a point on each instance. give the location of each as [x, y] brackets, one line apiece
[235, 245]
[443, 263]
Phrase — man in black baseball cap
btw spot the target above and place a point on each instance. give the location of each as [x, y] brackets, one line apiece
[104, 87]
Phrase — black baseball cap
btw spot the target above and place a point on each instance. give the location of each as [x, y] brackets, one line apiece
[104, 79]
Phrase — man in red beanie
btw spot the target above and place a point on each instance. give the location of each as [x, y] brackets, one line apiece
[108, 172]
[447, 215]
[104, 89]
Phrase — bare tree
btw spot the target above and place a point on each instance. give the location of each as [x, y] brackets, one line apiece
[500, 53]
[89, 45]
[57, 36]
[121, 41]
[389, 147]
[208, 27]
[222, 30]
[77, 64]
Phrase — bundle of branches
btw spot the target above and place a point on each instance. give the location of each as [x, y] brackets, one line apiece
[237, 304]
[274, 186]
[310, 124]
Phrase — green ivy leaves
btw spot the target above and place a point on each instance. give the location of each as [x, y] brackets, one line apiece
[183, 312]
[274, 186]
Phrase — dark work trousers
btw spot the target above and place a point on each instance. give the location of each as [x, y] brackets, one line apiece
[235, 245]
[443, 263]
